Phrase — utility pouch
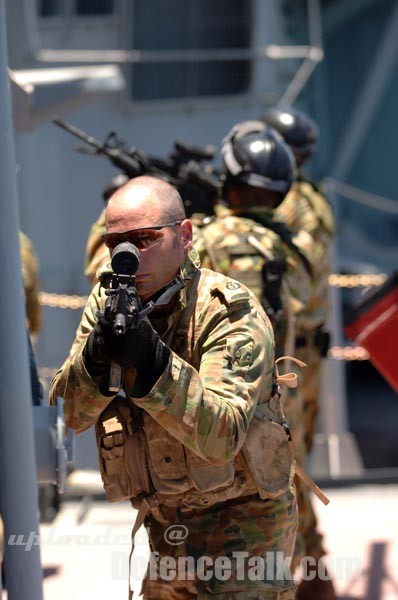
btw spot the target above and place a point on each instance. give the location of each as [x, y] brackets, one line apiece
[267, 451]
[121, 452]
[166, 459]
[208, 477]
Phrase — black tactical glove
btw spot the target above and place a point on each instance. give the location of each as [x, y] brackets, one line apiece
[140, 347]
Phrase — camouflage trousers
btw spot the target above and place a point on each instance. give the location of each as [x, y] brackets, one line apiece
[300, 420]
[310, 386]
[181, 593]
[239, 550]
[309, 539]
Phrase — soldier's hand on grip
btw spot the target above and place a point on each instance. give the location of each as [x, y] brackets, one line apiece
[95, 359]
[140, 348]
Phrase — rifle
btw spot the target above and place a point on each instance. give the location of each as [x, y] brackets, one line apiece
[181, 155]
[122, 307]
[133, 163]
[198, 188]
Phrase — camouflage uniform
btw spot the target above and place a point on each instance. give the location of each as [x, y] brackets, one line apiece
[215, 391]
[30, 276]
[225, 243]
[305, 208]
[222, 245]
[97, 254]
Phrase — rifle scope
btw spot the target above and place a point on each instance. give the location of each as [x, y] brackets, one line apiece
[125, 259]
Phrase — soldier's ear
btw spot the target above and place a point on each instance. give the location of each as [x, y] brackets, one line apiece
[186, 233]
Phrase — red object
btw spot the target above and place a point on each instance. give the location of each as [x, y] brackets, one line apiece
[374, 326]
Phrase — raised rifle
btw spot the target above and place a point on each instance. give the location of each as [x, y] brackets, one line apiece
[132, 162]
[199, 186]
[122, 307]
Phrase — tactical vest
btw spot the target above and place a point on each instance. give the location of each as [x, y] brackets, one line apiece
[289, 237]
[140, 460]
[225, 259]
[257, 277]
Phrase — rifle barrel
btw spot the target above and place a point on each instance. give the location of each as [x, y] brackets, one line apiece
[78, 133]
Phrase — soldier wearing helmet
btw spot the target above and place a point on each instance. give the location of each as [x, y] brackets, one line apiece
[255, 156]
[247, 242]
[258, 171]
[306, 208]
[298, 130]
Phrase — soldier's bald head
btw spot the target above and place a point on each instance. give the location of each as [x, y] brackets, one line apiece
[149, 213]
[149, 199]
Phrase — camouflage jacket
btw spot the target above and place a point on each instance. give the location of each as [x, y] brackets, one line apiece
[220, 375]
[306, 208]
[226, 244]
[30, 277]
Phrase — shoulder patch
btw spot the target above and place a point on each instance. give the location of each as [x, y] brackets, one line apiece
[232, 285]
[233, 292]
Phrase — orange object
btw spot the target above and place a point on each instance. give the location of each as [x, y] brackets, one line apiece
[373, 325]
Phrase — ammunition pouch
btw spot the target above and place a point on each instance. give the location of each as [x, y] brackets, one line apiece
[122, 452]
[138, 458]
[267, 452]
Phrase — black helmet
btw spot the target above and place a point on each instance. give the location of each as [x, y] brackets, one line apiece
[297, 129]
[256, 155]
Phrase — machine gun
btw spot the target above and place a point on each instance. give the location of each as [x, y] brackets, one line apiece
[198, 188]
